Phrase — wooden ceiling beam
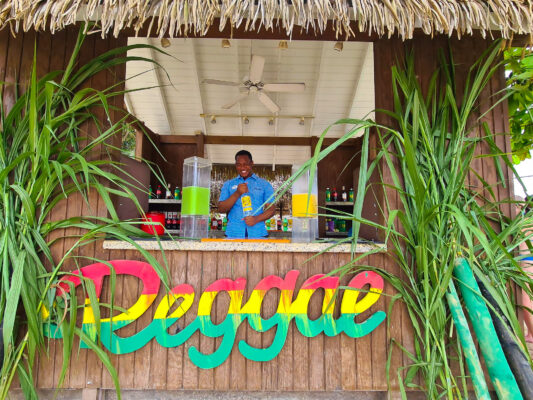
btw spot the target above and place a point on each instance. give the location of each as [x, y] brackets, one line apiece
[178, 139]
[198, 82]
[317, 82]
[356, 84]
[160, 88]
[329, 34]
[250, 140]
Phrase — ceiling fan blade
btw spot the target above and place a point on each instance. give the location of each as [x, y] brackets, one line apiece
[218, 82]
[284, 87]
[267, 101]
[256, 68]
[235, 101]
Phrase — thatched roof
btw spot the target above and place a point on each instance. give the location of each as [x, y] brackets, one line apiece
[194, 17]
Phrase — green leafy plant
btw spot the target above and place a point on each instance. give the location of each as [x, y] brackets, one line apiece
[47, 155]
[438, 217]
[519, 69]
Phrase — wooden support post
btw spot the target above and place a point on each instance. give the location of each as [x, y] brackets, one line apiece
[200, 143]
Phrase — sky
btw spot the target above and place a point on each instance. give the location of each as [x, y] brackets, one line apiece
[525, 170]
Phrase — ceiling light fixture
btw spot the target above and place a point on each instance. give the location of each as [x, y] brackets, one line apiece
[225, 43]
[338, 46]
[282, 45]
[302, 121]
[271, 121]
[213, 119]
[245, 120]
[165, 42]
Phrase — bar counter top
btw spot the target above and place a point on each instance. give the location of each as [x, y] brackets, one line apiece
[241, 245]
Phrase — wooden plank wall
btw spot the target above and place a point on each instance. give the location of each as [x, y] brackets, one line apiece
[465, 52]
[172, 164]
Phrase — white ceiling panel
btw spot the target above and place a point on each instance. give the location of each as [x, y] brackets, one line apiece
[338, 85]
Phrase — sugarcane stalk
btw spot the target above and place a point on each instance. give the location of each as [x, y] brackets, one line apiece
[500, 374]
[469, 348]
[514, 354]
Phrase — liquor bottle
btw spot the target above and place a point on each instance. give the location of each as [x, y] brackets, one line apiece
[334, 195]
[328, 194]
[150, 192]
[246, 201]
[350, 195]
[177, 193]
[285, 224]
[342, 225]
[175, 221]
[279, 224]
[168, 221]
[178, 225]
[344, 195]
[168, 193]
[224, 224]
[327, 224]
[158, 192]
[219, 224]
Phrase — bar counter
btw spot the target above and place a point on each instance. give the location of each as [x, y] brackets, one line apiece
[242, 245]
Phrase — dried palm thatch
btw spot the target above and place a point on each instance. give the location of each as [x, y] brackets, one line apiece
[195, 17]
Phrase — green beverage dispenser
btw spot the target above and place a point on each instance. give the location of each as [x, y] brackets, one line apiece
[195, 197]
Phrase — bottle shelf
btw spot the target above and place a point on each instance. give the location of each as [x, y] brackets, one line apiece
[339, 203]
[336, 233]
[163, 201]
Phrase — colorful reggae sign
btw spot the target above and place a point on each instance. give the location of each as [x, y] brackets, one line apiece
[287, 310]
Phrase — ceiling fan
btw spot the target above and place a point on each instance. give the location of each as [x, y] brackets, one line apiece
[256, 87]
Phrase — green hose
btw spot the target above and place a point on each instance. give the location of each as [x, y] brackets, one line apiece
[500, 374]
[470, 352]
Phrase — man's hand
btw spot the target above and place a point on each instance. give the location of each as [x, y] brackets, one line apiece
[251, 220]
[242, 188]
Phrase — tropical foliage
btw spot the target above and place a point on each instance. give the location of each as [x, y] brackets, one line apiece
[519, 68]
[46, 156]
[443, 215]
[439, 216]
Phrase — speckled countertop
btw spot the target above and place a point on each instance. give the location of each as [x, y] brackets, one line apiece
[191, 245]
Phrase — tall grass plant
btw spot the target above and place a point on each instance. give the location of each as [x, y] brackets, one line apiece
[432, 215]
[47, 156]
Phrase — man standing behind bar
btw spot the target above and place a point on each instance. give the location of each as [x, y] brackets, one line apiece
[259, 191]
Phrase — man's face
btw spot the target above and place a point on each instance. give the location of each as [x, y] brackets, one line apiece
[244, 165]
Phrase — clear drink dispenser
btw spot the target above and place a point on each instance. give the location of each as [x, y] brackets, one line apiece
[304, 208]
[195, 197]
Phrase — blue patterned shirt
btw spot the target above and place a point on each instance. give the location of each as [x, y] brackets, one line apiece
[260, 191]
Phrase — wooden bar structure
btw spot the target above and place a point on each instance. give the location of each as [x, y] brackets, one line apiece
[321, 364]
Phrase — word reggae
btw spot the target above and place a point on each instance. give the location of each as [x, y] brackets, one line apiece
[367, 283]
